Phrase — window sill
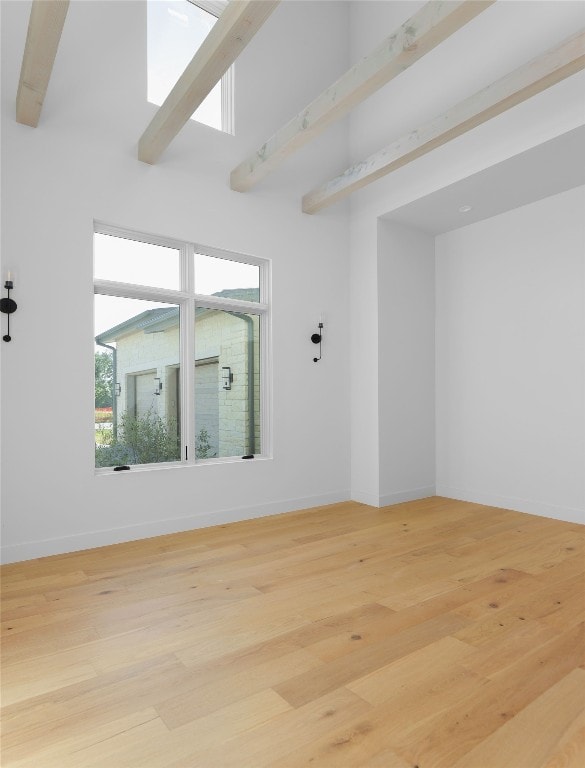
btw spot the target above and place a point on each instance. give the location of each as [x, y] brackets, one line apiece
[106, 471]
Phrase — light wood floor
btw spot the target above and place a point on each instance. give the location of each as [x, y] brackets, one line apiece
[437, 634]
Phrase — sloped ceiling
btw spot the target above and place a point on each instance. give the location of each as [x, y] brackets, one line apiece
[530, 152]
[547, 169]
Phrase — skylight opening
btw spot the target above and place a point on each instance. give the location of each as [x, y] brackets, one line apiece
[175, 31]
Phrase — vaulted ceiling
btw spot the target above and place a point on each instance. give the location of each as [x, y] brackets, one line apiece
[429, 27]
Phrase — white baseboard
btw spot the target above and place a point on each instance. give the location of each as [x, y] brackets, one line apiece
[29, 550]
[393, 498]
[363, 497]
[566, 514]
[32, 549]
[413, 495]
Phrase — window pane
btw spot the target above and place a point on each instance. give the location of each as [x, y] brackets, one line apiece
[229, 279]
[129, 261]
[227, 383]
[176, 29]
[136, 382]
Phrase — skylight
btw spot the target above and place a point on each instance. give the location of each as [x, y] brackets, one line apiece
[176, 30]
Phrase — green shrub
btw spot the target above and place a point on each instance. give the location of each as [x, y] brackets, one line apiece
[148, 439]
[203, 447]
[104, 379]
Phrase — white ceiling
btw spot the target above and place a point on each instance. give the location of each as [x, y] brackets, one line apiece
[547, 169]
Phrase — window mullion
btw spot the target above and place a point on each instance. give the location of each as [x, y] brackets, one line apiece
[227, 102]
[188, 355]
[134, 291]
[265, 362]
[187, 268]
[187, 383]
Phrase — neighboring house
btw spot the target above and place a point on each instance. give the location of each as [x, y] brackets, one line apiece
[147, 373]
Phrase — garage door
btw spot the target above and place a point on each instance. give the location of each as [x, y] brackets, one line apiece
[207, 401]
[145, 397]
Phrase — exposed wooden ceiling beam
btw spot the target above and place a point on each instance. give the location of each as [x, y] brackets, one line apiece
[45, 25]
[232, 32]
[532, 78]
[427, 28]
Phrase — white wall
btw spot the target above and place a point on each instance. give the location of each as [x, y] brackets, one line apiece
[511, 359]
[406, 362]
[80, 164]
[363, 308]
[392, 355]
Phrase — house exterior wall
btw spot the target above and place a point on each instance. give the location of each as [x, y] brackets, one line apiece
[221, 338]
[153, 352]
[207, 408]
[234, 404]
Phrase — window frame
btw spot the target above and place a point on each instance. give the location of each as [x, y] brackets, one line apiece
[216, 8]
[187, 300]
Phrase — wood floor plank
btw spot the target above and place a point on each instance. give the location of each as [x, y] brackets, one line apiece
[383, 683]
[152, 745]
[18, 607]
[28, 645]
[343, 624]
[386, 759]
[347, 746]
[567, 568]
[87, 706]
[570, 750]
[450, 735]
[365, 658]
[23, 586]
[508, 647]
[488, 588]
[66, 751]
[284, 735]
[396, 709]
[205, 699]
[197, 738]
[435, 633]
[27, 680]
[530, 738]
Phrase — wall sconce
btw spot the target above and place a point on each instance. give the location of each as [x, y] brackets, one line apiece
[157, 385]
[317, 338]
[227, 376]
[118, 389]
[8, 305]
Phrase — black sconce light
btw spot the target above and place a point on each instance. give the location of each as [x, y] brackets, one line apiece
[157, 385]
[227, 376]
[118, 389]
[8, 305]
[317, 338]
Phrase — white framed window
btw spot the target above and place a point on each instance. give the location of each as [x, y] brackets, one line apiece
[181, 347]
[175, 31]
